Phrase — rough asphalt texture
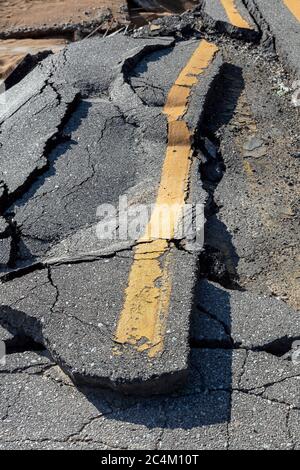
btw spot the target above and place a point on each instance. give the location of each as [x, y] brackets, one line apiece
[277, 21]
[100, 134]
[242, 390]
[61, 21]
[266, 323]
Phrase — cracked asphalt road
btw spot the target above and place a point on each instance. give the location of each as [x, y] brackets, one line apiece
[84, 368]
[108, 139]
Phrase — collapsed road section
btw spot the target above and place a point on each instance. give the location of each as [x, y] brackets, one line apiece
[110, 313]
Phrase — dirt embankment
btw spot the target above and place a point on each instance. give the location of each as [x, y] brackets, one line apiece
[143, 11]
[36, 18]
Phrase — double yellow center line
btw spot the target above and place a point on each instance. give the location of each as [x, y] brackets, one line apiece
[147, 298]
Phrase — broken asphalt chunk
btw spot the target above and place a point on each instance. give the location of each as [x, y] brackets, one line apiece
[109, 317]
[249, 320]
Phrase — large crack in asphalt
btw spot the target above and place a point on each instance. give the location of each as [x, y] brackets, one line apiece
[267, 36]
[206, 142]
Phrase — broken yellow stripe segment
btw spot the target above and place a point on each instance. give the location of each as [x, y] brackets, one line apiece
[147, 298]
[234, 15]
[294, 7]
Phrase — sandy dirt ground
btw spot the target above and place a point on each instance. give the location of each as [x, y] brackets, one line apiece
[36, 14]
[15, 14]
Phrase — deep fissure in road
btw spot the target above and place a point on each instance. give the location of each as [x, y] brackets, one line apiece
[233, 142]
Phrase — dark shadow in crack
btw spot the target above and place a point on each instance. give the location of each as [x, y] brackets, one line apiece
[59, 147]
[203, 401]
[206, 399]
[26, 330]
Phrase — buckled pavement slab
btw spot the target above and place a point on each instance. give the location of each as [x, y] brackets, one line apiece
[110, 315]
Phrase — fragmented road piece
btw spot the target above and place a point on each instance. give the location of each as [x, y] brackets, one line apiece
[207, 331]
[28, 362]
[281, 20]
[258, 424]
[244, 319]
[111, 312]
[229, 16]
[258, 373]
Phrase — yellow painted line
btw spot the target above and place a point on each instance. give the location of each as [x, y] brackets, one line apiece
[234, 15]
[294, 7]
[248, 168]
[147, 298]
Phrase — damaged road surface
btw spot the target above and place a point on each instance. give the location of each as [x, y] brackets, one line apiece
[110, 312]
[279, 23]
[230, 16]
[197, 109]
